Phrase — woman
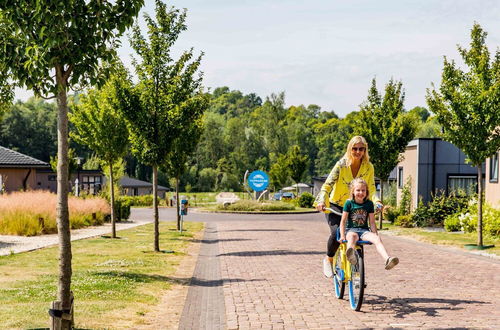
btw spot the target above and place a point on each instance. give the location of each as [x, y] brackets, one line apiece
[335, 191]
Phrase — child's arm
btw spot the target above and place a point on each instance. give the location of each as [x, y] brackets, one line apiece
[373, 224]
[343, 222]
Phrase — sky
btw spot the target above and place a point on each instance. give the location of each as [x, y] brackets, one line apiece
[326, 52]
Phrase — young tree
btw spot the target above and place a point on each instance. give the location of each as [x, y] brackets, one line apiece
[99, 126]
[183, 146]
[467, 106]
[167, 94]
[297, 164]
[50, 46]
[386, 127]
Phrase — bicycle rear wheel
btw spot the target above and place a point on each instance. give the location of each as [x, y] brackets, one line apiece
[357, 282]
[338, 276]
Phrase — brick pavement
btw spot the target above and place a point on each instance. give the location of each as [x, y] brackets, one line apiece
[205, 309]
[271, 278]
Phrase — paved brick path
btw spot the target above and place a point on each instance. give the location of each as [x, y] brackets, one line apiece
[206, 310]
[271, 278]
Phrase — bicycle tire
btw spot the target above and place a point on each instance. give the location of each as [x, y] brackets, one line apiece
[338, 276]
[357, 282]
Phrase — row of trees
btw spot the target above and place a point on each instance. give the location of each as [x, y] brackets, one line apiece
[239, 133]
[50, 47]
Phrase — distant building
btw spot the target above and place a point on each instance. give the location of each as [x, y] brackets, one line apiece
[18, 171]
[433, 165]
[134, 187]
[492, 186]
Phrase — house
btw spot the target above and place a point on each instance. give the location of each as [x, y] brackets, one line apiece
[432, 165]
[134, 187]
[492, 186]
[18, 171]
[90, 181]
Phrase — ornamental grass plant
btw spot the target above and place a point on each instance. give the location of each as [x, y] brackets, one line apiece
[34, 212]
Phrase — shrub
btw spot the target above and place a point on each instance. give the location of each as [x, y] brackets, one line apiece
[143, 200]
[436, 211]
[122, 208]
[391, 213]
[468, 219]
[452, 222]
[442, 205]
[404, 221]
[251, 205]
[306, 200]
[405, 203]
[421, 215]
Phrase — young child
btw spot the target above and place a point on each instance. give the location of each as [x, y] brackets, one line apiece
[357, 212]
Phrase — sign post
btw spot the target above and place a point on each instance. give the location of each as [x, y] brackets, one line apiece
[258, 181]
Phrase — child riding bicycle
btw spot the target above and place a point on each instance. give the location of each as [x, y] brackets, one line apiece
[357, 218]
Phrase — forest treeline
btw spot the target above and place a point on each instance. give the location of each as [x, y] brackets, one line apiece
[241, 132]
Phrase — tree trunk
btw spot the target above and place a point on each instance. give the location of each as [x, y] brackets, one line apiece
[155, 208]
[63, 228]
[480, 206]
[381, 214]
[112, 196]
[177, 201]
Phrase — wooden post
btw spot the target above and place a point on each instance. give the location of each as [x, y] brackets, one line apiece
[65, 321]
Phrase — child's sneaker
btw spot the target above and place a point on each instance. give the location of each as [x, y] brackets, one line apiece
[327, 268]
[391, 262]
[351, 256]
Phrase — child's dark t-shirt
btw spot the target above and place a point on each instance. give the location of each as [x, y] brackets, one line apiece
[358, 213]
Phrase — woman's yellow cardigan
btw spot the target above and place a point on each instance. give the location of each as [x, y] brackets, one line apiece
[336, 187]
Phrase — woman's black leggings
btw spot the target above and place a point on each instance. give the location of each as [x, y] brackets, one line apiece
[334, 223]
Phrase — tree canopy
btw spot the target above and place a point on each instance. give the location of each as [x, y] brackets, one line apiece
[49, 47]
[467, 105]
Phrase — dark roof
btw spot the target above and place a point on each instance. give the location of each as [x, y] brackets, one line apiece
[127, 182]
[10, 158]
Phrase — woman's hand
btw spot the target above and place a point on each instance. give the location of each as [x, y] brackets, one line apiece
[342, 239]
[320, 207]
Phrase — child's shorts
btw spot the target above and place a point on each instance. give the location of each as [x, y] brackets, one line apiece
[359, 231]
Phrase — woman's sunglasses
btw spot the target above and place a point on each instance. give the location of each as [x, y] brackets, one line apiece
[360, 149]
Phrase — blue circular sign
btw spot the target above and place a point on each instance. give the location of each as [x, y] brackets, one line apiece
[258, 180]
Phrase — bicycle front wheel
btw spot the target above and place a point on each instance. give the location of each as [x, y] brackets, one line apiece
[338, 276]
[357, 282]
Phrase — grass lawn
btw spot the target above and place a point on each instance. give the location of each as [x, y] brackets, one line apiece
[454, 239]
[115, 282]
[297, 210]
[205, 198]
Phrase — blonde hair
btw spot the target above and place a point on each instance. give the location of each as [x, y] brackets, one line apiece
[348, 154]
[359, 181]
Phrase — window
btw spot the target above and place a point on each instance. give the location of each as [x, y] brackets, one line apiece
[91, 184]
[400, 178]
[494, 168]
[52, 177]
[464, 183]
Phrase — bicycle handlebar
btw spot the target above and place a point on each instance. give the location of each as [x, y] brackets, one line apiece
[333, 211]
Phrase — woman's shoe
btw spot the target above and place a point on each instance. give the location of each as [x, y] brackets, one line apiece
[351, 256]
[327, 268]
